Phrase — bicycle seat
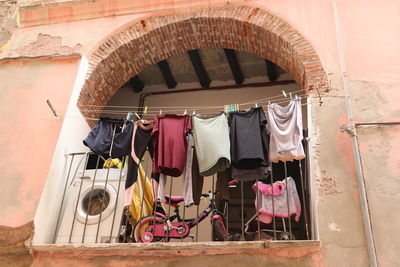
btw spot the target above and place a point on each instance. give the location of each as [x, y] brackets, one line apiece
[173, 200]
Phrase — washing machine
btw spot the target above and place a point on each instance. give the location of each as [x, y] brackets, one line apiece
[93, 207]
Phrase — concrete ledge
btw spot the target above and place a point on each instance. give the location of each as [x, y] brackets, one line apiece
[233, 254]
[252, 245]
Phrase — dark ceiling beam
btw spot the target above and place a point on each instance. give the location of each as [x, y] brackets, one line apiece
[199, 68]
[272, 70]
[234, 64]
[136, 84]
[167, 74]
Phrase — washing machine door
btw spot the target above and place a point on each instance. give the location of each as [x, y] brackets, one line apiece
[96, 203]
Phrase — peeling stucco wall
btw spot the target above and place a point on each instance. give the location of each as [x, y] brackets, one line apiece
[380, 146]
[8, 22]
[337, 203]
[45, 45]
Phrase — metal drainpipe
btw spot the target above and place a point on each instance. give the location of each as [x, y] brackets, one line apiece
[354, 141]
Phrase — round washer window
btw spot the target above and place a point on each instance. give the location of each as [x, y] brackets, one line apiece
[96, 203]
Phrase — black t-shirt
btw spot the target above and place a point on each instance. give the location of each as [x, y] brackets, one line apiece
[142, 140]
[249, 139]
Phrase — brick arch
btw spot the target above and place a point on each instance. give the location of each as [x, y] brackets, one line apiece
[125, 53]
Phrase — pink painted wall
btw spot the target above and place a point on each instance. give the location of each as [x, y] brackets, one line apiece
[29, 130]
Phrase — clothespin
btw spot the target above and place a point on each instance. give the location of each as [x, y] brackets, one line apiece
[290, 94]
[237, 107]
[129, 116]
[160, 112]
[256, 105]
[184, 113]
[145, 110]
[269, 102]
[194, 112]
[137, 116]
[284, 93]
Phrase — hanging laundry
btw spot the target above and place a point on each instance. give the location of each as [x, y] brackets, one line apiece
[243, 175]
[187, 173]
[197, 179]
[141, 141]
[212, 153]
[100, 137]
[197, 182]
[279, 191]
[187, 176]
[170, 143]
[249, 144]
[211, 134]
[222, 186]
[286, 129]
[121, 144]
[142, 190]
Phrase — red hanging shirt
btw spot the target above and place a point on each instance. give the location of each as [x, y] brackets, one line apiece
[170, 144]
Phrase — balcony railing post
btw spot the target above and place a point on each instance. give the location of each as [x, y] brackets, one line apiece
[79, 196]
[63, 198]
[116, 200]
[90, 199]
[273, 202]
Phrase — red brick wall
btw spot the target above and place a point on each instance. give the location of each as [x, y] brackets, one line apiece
[126, 52]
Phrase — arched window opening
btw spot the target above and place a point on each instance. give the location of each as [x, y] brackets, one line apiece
[203, 81]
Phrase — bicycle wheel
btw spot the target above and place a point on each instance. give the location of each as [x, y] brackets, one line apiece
[143, 234]
[218, 229]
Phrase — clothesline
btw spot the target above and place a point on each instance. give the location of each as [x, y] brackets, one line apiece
[156, 109]
[182, 109]
[123, 113]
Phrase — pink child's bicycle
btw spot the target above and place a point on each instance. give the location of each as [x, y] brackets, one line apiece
[161, 228]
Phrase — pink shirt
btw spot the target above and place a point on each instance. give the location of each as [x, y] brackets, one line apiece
[170, 143]
[282, 208]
